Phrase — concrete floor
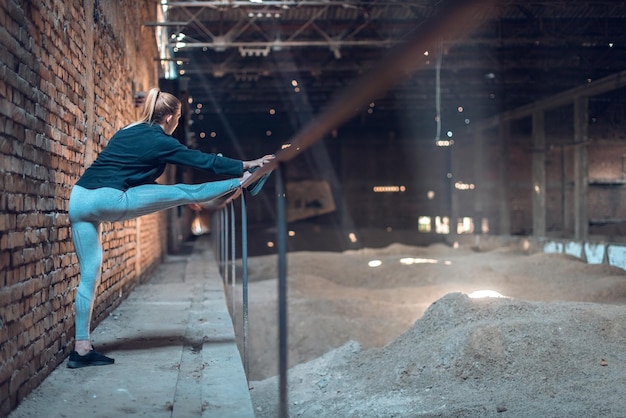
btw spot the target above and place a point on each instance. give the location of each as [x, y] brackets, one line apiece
[174, 348]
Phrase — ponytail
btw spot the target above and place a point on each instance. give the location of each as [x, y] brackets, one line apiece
[157, 106]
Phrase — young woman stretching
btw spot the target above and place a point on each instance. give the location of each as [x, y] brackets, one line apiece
[120, 185]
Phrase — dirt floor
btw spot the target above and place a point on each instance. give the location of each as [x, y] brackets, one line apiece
[403, 339]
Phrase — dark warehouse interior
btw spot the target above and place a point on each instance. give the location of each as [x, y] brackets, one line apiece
[426, 150]
[255, 74]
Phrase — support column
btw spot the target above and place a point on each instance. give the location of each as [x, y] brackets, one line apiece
[479, 180]
[454, 195]
[581, 168]
[503, 184]
[539, 174]
[565, 217]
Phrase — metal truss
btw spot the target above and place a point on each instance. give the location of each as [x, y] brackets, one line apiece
[255, 28]
[329, 42]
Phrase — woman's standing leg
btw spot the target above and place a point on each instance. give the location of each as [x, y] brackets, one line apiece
[86, 237]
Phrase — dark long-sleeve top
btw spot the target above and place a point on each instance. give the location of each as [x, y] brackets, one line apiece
[138, 155]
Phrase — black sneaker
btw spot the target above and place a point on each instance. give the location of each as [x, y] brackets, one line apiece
[255, 187]
[92, 358]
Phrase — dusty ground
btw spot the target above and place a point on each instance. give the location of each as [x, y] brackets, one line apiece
[404, 340]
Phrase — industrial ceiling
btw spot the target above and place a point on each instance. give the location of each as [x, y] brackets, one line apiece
[243, 58]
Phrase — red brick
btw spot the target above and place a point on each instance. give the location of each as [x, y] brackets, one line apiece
[15, 202]
[5, 372]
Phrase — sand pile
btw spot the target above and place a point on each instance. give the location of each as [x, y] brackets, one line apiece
[545, 350]
[472, 357]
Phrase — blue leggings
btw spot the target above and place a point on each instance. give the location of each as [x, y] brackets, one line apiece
[89, 207]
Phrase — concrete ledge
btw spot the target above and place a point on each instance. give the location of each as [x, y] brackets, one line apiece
[595, 253]
[613, 254]
[590, 252]
[224, 384]
[616, 256]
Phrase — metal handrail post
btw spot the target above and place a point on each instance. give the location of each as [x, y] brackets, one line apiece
[214, 234]
[233, 257]
[244, 283]
[281, 240]
[226, 242]
[222, 242]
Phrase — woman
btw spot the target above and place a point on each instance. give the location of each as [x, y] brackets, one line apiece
[120, 185]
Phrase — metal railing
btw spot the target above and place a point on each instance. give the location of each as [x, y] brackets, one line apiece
[454, 19]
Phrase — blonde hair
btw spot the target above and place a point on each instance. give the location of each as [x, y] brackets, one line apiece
[157, 106]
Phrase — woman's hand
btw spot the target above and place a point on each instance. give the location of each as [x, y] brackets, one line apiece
[259, 162]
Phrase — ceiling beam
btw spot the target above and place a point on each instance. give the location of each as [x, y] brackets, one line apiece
[280, 3]
[604, 85]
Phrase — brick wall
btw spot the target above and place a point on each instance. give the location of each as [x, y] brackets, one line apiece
[67, 73]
